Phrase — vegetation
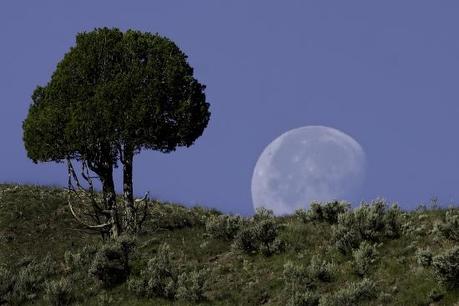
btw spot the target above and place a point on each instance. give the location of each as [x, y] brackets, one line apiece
[185, 256]
[113, 94]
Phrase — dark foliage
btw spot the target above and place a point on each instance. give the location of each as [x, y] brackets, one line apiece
[111, 262]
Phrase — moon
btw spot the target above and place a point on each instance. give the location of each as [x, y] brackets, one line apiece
[311, 163]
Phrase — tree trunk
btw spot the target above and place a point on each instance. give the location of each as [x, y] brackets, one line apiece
[105, 174]
[130, 220]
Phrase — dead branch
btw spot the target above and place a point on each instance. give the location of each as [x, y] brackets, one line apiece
[71, 189]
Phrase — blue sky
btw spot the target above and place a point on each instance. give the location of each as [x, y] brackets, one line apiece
[384, 72]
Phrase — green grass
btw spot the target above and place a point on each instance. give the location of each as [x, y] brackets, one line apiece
[35, 222]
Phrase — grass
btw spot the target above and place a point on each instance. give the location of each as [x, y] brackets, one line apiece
[35, 222]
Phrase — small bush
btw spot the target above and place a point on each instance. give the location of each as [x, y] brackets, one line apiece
[450, 228]
[321, 269]
[76, 261]
[436, 295]
[260, 235]
[296, 279]
[191, 286]
[59, 293]
[30, 279]
[306, 298]
[372, 222]
[393, 222]
[446, 267]
[328, 212]
[159, 278]
[223, 226]
[262, 213]
[246, 240]
[355, 293]
[7, 280]
[364, 257]
[171, 216]
[111, 262]
[105, 299]
[424, 257]
[303, 215]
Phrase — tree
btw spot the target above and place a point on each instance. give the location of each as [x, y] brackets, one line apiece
[112, 95]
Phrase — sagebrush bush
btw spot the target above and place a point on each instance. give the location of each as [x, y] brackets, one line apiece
[371, 221]
[363, 258]
[446, 267]
[59, 292]
[76, 261]
[31, 277]
[296, 279]
[191, 286]
[105, 299]
[260, 234]
[169, 216]
[7, 280]
[224, 227]
[159, 279]
[450, 227]
[365, 290]
[306, 298]
[246, 240]
[262, 213]
[110, 265]
[321, 270]
[328, 212]
[424, 257]
[303, 215]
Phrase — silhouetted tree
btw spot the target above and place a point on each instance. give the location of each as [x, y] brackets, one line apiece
[112, 95]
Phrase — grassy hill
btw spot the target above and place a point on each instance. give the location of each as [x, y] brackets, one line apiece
[328, 255]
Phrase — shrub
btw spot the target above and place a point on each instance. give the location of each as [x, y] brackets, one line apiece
[446, 267]
[450, 228]
[303, 215]
[261, 213]
[306, 298]
[328, 212]
[436, 295]
[364, 257]
[246, 240]
[355, 293]
[260, 234]
[321, 269]
[424, 257]
[30, 279]
[393, 222]
[111, 262]
[371, 222]
[201, 214]
[296, 279]
[170, 216]
[59, 293]
[191, 286]
[7, 280]
[159, 278]
[105, 299]
[223, 226]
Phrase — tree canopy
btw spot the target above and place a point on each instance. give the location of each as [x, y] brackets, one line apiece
[114, 90]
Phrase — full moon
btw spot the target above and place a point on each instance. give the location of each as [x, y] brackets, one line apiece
[311, 163]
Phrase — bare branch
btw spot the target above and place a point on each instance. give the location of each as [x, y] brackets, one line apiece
[72, 174]
[144, 198]
[110, 222]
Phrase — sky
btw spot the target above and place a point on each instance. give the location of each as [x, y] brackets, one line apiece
[384, 72]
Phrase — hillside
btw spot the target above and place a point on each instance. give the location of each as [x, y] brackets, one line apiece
[373, 255]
